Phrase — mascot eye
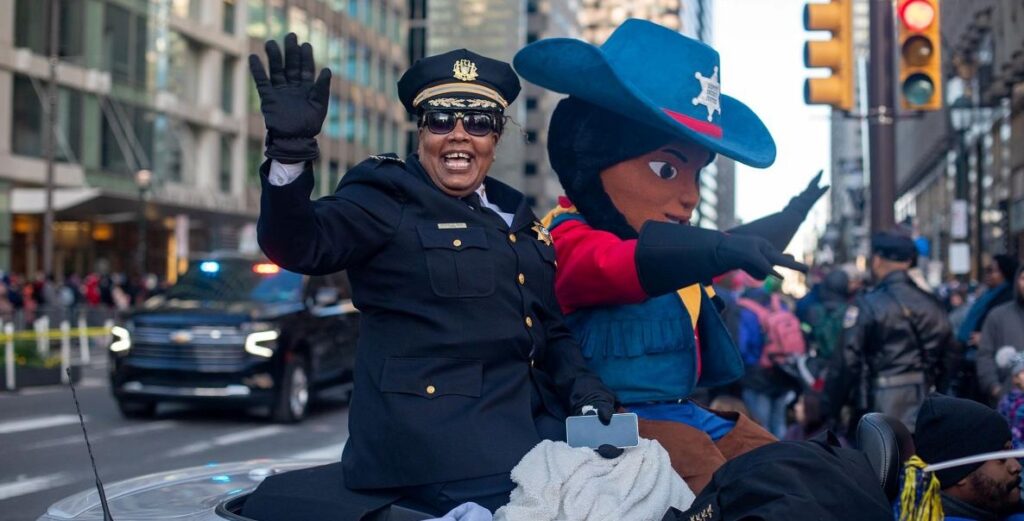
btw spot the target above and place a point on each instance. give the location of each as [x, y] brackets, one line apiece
[663, 170]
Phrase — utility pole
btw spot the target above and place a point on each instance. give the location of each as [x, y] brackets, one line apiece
[51, 136]
[882, 116]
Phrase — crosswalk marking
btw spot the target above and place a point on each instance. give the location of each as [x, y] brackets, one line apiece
[130, 430]
[42, 422]
[24, 485]
[227, 439]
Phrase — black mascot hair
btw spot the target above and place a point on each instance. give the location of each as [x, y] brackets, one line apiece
[583, 140]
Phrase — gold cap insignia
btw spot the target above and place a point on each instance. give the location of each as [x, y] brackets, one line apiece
[465, 70]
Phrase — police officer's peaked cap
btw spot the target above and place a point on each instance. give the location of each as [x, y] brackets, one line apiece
[894, 245]
[460, 79]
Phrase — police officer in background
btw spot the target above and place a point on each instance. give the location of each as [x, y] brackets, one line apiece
[895, 338]
[463, 362]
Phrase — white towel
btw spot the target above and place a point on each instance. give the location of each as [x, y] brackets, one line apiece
[556, 482]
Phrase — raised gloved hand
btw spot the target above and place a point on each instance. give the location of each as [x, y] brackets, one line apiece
[805, 200]
[754, 255]
[293, 105]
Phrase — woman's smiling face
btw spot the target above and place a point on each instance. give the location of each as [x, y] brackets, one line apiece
[661, 185]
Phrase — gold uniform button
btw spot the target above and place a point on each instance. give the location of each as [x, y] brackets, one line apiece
[431, 389]
[522, 279]
[512, 238]
[456, 243]
[529, 322]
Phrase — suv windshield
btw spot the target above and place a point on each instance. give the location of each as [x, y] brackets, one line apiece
[236, 280]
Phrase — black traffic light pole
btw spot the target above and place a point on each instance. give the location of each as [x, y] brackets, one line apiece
[882, 116]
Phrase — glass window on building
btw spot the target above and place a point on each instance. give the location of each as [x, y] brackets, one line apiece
[417, 9]
[363, 127]
[27, 129]
[224, 173]
[334, 117]
[352, 61]
[257, 27]
[32, 24]
[381, 145]
[382, 75]
[227, 85]
[366, 10]
[335, 54]
[229, 16]
[186, 8]
[277, 19]
[27, 124]
[333, 175]
[366, 66]
[125, 43]
[183, 64]
[339, 6]
[318, 39]
[350, 122]
[253, 160]
[298, 23]
[169, 136]
[353, 9]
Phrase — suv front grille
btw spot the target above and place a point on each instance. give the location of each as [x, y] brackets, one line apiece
[201, 347]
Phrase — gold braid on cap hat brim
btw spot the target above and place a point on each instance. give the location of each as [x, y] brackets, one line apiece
[457, 88]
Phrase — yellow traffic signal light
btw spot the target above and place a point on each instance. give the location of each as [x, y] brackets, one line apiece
[835, 53]
[920, 47]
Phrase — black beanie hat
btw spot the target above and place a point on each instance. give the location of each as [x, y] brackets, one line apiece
[584, 139]
[949, 428]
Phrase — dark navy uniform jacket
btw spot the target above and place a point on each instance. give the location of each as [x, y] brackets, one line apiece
[462, 343]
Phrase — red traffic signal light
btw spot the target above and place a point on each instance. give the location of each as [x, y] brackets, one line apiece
[920, 54]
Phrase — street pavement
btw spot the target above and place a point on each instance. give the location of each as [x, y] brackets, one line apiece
[43, 456]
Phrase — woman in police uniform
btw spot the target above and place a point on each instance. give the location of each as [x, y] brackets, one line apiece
[463, 363]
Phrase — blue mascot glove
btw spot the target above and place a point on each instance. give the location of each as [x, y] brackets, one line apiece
[293, 105]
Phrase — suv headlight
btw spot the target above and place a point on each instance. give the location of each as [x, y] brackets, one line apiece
[260, 334]
[121, 338]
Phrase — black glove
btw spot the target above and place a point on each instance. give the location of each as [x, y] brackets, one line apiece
[602, 406]
[672, 256]
[754, 255]
[780, 227]
[805, 201]
[293, 105]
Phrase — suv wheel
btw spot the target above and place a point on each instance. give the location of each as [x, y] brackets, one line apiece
[292, 399]
[136, 408]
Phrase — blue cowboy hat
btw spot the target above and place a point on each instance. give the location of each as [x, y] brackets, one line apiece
[658, 77]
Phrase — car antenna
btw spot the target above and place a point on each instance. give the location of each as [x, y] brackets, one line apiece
[88, 446]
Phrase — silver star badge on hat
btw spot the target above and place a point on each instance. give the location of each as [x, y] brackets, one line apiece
[710, 90]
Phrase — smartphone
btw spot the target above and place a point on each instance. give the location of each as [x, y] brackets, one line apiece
[588, 431]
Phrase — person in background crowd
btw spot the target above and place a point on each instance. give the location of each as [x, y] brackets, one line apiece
[767, 390]
[810, 417]
[950, 428]
[998, 271]
[1011, 405]
[1004, 327]
[825, 317]
[895, 340]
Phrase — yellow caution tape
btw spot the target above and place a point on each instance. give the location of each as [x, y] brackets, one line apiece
[56, 333]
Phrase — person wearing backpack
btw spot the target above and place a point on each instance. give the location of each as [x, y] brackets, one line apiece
[895, 339]
[767, 391]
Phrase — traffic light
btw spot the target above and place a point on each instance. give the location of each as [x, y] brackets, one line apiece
[835, 53]
[920, 49]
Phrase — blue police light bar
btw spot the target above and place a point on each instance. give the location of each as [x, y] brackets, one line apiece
[209, 267]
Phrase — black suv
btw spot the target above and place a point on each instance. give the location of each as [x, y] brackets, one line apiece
[236, 329]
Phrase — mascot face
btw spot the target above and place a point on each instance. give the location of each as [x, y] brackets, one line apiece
[661, 185]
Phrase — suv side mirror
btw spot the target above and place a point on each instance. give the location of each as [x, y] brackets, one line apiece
[326, 296]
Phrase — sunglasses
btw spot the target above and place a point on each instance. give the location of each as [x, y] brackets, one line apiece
[475, 123]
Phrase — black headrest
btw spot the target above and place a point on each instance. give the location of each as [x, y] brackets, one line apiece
[888, 444]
